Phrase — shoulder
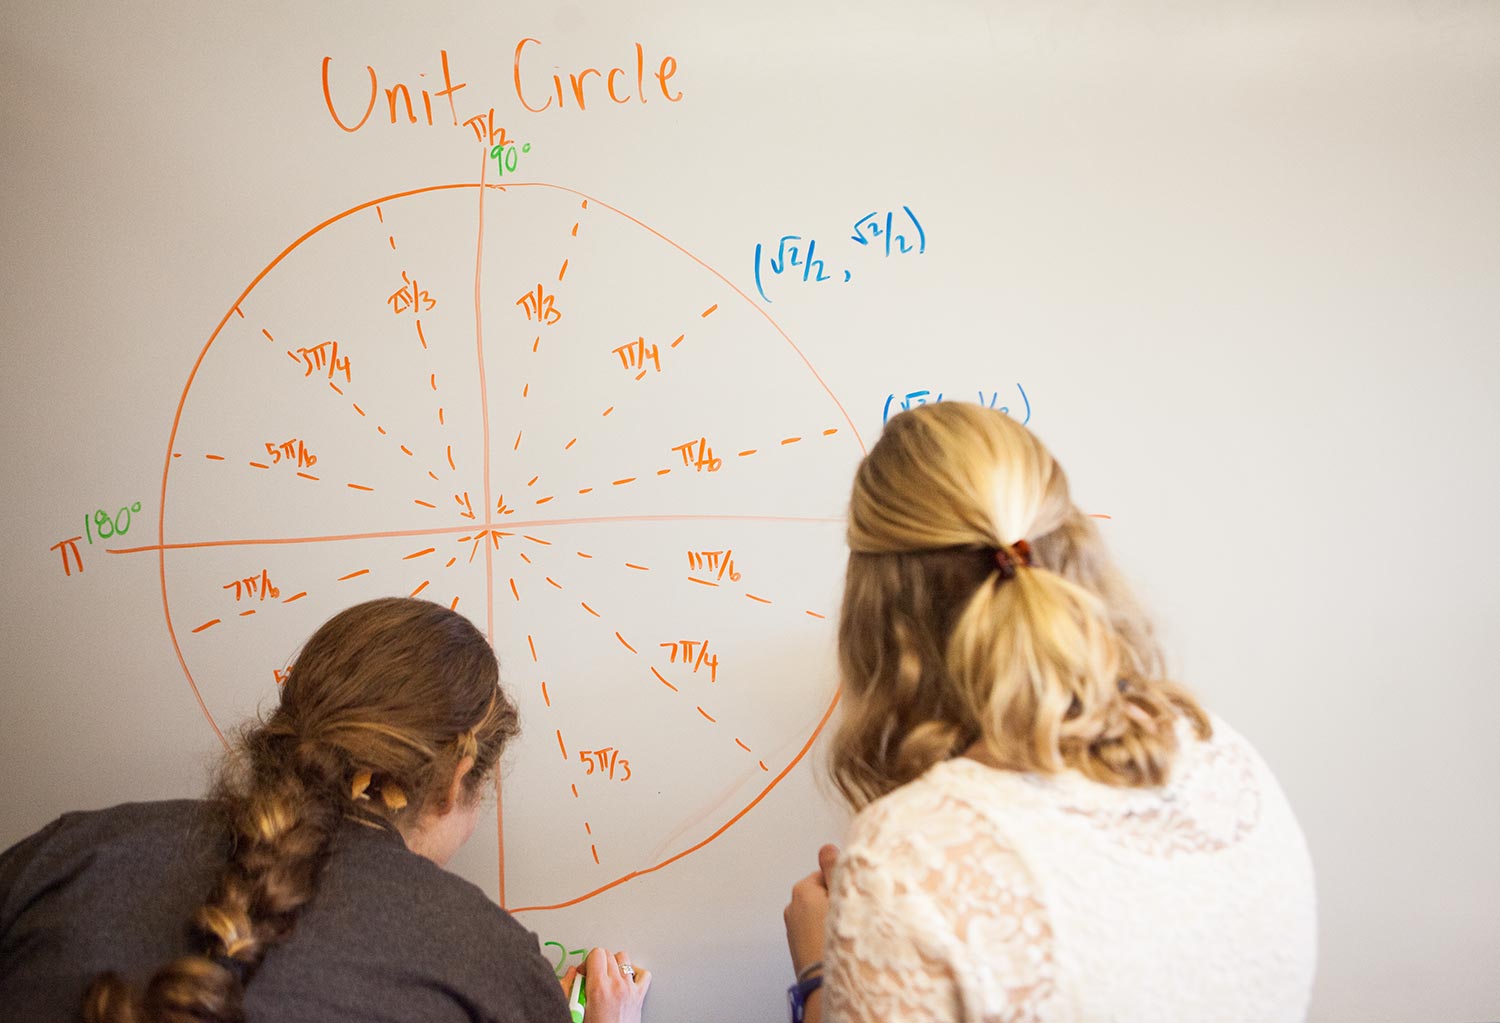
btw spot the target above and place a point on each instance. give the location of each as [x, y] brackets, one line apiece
[81, 852]
[128, 825]
[376, 885]
[943, 806]
[944, 831]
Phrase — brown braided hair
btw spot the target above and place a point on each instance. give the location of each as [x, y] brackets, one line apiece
[386, 699]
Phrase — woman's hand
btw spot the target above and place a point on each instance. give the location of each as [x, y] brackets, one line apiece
[806, 913]
[612, 996]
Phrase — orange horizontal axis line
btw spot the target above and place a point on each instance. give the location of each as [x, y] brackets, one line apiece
[276, 540]
[455, 530]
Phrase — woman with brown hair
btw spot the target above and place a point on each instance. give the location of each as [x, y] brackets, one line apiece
[1047, 828]
[309, 887]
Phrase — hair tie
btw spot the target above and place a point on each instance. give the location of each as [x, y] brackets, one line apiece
[1007, 558]
[238, 967]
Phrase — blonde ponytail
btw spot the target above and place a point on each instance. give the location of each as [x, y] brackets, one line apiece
[949, 639]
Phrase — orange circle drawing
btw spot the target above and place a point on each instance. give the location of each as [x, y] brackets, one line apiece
[526, 404]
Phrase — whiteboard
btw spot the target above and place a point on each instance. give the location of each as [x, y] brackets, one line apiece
[307, 306]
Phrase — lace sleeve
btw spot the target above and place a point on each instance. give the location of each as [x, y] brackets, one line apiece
[933, 918]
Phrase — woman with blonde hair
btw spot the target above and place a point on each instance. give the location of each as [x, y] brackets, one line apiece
[309, 887]
[1047, 828]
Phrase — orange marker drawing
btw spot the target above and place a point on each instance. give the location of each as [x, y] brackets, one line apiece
[70, 546]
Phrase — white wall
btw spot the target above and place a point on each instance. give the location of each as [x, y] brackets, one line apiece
[1241, 257]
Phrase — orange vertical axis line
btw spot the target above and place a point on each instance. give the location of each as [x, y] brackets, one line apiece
[489, 555]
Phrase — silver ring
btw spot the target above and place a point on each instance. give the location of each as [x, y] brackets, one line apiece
[628, 971]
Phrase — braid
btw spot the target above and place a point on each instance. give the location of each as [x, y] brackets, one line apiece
[281, 813]
[388, 696]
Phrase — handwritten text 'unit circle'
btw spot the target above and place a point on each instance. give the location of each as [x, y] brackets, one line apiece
[632, 78]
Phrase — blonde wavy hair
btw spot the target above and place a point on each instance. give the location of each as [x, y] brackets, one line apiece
[381, 707]
[1052, 668]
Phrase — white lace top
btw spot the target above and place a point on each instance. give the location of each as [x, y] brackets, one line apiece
[983, 895]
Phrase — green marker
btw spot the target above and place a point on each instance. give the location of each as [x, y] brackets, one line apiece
[577, 998]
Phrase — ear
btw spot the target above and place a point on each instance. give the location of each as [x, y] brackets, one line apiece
[455, 789]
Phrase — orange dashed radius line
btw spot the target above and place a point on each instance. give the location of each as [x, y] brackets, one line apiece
[354, 575]
[663, 680]
[161, 546]
[708, 716]
[727, 283]
[625, 643]
[806, 746]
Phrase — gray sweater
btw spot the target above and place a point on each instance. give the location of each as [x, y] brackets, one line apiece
[389, 935]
